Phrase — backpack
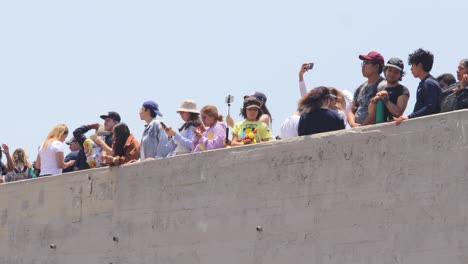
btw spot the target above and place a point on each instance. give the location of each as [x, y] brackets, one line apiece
[19, 173]
[448, 103]
[461, 102]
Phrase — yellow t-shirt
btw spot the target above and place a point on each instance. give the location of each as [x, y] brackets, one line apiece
[259, 129]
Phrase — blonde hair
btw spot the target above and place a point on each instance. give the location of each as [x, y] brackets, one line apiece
[340, 100]
[211, 110]
[20, 156]
[55, 134]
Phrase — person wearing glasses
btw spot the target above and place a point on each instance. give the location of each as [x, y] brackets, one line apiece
[372, 66]
[50, 159]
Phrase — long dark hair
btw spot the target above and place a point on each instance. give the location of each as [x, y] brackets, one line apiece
[194, 120]
[313, 100]
[121, 134]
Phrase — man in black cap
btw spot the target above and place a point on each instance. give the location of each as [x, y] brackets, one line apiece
[372, 67]
[394, 96]
[110, 120]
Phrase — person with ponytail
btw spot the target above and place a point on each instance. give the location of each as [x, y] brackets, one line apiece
[316, 116]
[22, 169]
[212, 134]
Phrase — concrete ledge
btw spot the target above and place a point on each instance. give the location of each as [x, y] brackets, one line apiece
[379, 194]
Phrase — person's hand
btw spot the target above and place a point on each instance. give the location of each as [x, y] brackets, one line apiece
[304, 68]
[97, 140]
[169, 131]
[464, 81]
[199, 132]
[353, 125]
[230, 121]
[108, 159]
[150, 158]
[5, 149]
[382, 94]
[400, 119]
[70, 163]
[247, 141]
[375, 99]
[93, 126]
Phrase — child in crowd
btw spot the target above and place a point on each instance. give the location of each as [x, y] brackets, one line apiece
[251, 130]
[213, 134]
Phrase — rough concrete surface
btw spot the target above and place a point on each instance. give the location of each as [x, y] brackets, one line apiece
[380, 194]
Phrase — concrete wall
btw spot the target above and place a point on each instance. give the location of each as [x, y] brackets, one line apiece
[382, 194]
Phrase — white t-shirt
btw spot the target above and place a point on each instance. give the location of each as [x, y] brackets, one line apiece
[289, 127]
[48, 160]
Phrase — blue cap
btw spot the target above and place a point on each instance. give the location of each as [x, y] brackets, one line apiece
[153, 106]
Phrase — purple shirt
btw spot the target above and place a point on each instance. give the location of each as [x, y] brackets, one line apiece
[213, 138]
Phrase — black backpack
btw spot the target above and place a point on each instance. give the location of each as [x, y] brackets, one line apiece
[461, 102]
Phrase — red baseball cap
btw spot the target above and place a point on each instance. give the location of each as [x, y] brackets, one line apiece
[373, 56]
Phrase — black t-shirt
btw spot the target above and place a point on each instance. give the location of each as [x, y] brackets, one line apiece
[319, 121]
[393, 94]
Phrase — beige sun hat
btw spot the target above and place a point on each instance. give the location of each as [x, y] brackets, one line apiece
[188, 106]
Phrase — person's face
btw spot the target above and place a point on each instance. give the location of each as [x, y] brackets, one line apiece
[74, 146]
[461, 70]
[109, 124]
[368, 69]
[185, 116]
[332, 103]
[252, 113]
[416, 69]
[443, 85]
[207, 119]
[392, 75]
[64, 136]
[144, 113]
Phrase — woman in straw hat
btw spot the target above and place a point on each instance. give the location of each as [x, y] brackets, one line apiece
[184, 136]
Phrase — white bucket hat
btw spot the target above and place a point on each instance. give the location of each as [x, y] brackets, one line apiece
[188, 106]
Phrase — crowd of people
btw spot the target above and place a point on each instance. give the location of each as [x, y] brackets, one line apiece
[322, 109]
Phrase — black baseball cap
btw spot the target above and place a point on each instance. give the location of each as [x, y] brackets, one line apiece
[395, 63]
[113, 115]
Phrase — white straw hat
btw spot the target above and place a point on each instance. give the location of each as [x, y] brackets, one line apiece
[188, 106]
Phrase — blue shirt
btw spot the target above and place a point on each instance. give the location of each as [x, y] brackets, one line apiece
[427, 98]
[154, 142]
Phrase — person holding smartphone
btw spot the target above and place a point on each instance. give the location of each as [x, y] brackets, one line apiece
[154, 142]
[182, 139]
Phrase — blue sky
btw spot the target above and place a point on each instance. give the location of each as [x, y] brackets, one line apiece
[71, 61]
